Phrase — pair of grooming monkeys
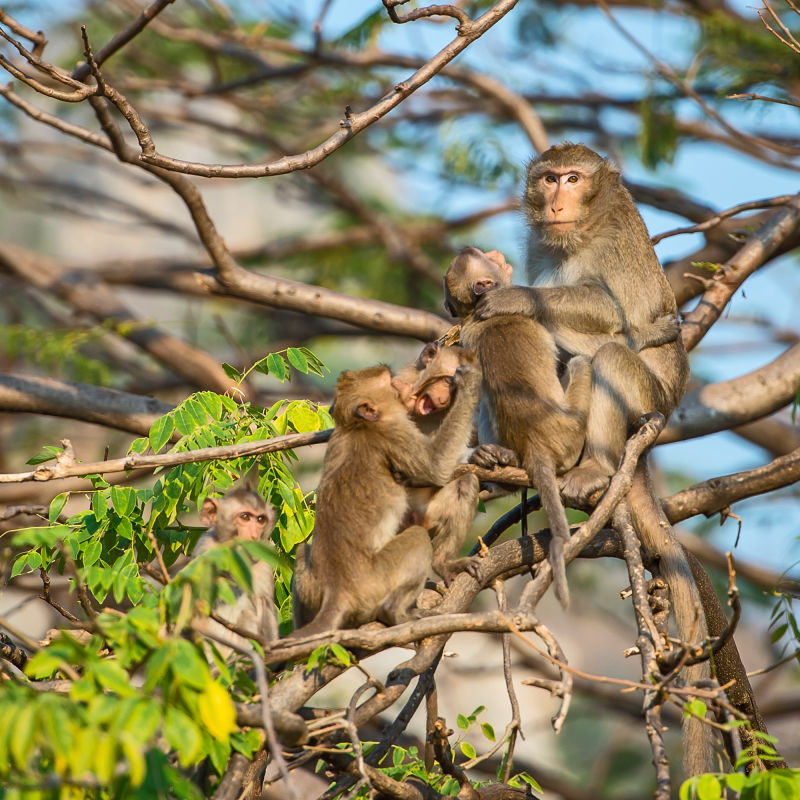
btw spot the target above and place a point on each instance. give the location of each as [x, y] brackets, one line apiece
[598, 309]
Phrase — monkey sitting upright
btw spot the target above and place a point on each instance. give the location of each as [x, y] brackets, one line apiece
[427, 388]
[524, 406]
[358, 567]
[243, 514]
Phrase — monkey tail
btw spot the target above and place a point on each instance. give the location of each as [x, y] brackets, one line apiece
[542, 474]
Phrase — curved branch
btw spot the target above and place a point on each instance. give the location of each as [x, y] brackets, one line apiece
[110, 407]
[716, 494]
[726, 280]
[352, 124]
[719, 406]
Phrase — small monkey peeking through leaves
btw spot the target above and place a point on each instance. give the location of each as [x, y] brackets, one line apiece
[243, 514]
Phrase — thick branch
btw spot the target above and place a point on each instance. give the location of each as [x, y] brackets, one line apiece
[34, 395]
[720, 406]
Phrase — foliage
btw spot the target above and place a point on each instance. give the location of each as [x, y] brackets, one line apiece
[138, 683]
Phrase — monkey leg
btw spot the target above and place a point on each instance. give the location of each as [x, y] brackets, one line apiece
[623, 388]
[398, 575]
[449, 516]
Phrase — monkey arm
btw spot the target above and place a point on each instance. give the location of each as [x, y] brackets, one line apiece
[586, 308]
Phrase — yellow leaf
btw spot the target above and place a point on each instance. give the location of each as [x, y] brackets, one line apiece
[217, 711]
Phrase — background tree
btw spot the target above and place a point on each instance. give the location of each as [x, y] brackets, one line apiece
[191, 189]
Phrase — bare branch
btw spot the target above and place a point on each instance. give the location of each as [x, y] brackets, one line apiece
[46, 472]
[727, 404]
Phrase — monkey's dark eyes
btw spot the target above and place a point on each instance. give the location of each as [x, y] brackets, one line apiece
[245, 516]
[262, 519]
[573, 179]
[550, 179]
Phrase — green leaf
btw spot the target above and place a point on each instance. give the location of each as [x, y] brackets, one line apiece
[92, 553]
[212, 403]
[160, 432]
[467, 749]
[139, 445]
[48, 453]
[21, 737]
[277, 366]
[40, 537]
[696, 707]
[57, 506]
[708, 788]
[99, 506]
[488, 731]
[341, 655]
[231, 372]
[123, 498]
[297, 359]
[183, 736]
[462, 722]
[110, 675]
[302, 418]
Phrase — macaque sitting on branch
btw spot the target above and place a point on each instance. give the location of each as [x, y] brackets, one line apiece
[524, 406]
[358, 567]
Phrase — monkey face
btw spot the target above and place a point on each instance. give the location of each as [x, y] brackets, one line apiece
[250, 523]
[470, 275]
[366, 396]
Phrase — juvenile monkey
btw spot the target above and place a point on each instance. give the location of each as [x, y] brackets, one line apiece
[243, 514]
[427, 387]
[358, 567]
[524, 406]
[594, 275]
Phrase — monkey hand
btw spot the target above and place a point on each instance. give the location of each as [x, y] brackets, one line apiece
[490, 456]
[507, 300]
[468, 371]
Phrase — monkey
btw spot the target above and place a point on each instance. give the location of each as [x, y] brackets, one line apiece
[593, 274]
[358, 568]
[524, 406]
[243, 514]
[427, 389]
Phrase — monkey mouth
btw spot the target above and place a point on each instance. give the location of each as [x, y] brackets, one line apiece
[425, 406]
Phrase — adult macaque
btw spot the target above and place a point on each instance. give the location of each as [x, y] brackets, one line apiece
[594, 275]
[243, 514]
[427, 388]
[358, 567]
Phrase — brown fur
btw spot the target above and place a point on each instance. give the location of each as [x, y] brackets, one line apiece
[594, 276]
[358, 568]
[427, 388]
[523, 405]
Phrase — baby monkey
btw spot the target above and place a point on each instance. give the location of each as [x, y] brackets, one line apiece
[243, 514]
[358, 567]
[427, 387]
[524, 406]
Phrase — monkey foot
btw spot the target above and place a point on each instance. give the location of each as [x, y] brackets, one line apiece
[582, 482]
[490, 456]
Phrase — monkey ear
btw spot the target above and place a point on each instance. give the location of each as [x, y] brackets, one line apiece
[208, 513]
[367, 411]
[428, 353]
[482, 286]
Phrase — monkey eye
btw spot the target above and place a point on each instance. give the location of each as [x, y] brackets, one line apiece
[245, 516]
[550, 179]
[573, 179]
[262, 519]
